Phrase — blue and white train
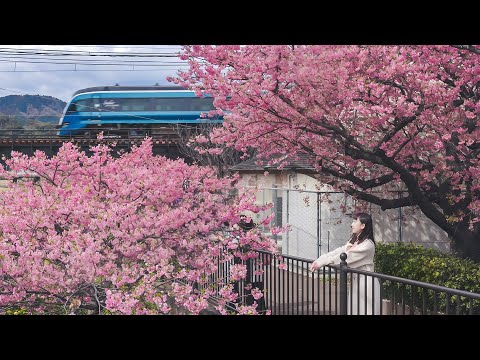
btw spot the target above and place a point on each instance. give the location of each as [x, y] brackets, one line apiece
[134, 110]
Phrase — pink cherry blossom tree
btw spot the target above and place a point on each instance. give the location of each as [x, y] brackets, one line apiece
[127, 233]
[373, 118]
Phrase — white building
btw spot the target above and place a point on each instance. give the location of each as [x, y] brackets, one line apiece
[313, 210]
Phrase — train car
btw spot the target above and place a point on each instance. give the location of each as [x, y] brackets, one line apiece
[133, 110]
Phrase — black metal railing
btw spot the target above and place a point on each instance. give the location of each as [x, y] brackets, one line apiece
[291, 289]
[409, 297]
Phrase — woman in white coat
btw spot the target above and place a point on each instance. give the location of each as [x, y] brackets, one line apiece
[360, 250]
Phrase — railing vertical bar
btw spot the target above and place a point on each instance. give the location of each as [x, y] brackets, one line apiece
[288, 284]
[283, 290]
[266, 286]
[365, 292]
[351, 294]
[298, 287]
[216, 284]
[318, 291]
[324, 292]
[373, 293]
[343, 285]
[412, 300]
[337, 276]
[219, 273]
[424, 304]
[313, 292]
[358, 294]
[275, 301]
[330, 290]
[394, 304]
[278, 306]
[303, 297]
[381, 296]
[270, 295]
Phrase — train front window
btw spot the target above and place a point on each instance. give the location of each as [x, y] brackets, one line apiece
[80, 105]
[72, 108]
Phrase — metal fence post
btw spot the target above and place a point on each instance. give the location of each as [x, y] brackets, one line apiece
[248, 276]
[248, 299]
[343, 284]
[288, 221]
[275, 208]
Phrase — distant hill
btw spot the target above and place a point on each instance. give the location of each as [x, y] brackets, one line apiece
[31, 111]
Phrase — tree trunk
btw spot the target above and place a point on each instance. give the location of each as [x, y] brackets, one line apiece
[466, 244]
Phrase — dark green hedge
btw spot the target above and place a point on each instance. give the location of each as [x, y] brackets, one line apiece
[416, 262]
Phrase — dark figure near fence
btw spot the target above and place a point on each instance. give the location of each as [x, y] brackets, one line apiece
[259, 283]
[244, 224]
[245, 296]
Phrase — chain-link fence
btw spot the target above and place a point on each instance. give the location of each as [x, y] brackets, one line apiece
[319, 225]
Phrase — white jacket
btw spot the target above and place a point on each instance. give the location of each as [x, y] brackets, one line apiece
[359, 256]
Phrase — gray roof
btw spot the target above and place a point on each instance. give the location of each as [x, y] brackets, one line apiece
[300, 163]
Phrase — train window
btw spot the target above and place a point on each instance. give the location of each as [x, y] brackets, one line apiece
[159, 105]
[72, 108]
[205, 104]
[162, 104]
[81, 105]
[183, 104]
[137, 104]
[110, 105]
[142, 104]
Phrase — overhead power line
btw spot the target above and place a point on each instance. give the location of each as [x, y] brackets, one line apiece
[33, 59]
[8, 51]
[74, 70]
[83, 58]
[164, 47]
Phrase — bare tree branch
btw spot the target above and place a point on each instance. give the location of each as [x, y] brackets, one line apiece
[198, 151]
[470, 48]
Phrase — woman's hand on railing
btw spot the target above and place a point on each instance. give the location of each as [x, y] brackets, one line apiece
[314, 266]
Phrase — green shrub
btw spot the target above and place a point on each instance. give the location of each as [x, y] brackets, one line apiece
[416, 262]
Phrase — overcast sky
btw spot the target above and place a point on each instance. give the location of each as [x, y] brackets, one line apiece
[59, 70]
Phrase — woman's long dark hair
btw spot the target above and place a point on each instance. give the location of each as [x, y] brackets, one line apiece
[367, 232]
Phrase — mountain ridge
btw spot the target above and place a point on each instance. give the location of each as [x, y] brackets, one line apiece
[27, 110]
